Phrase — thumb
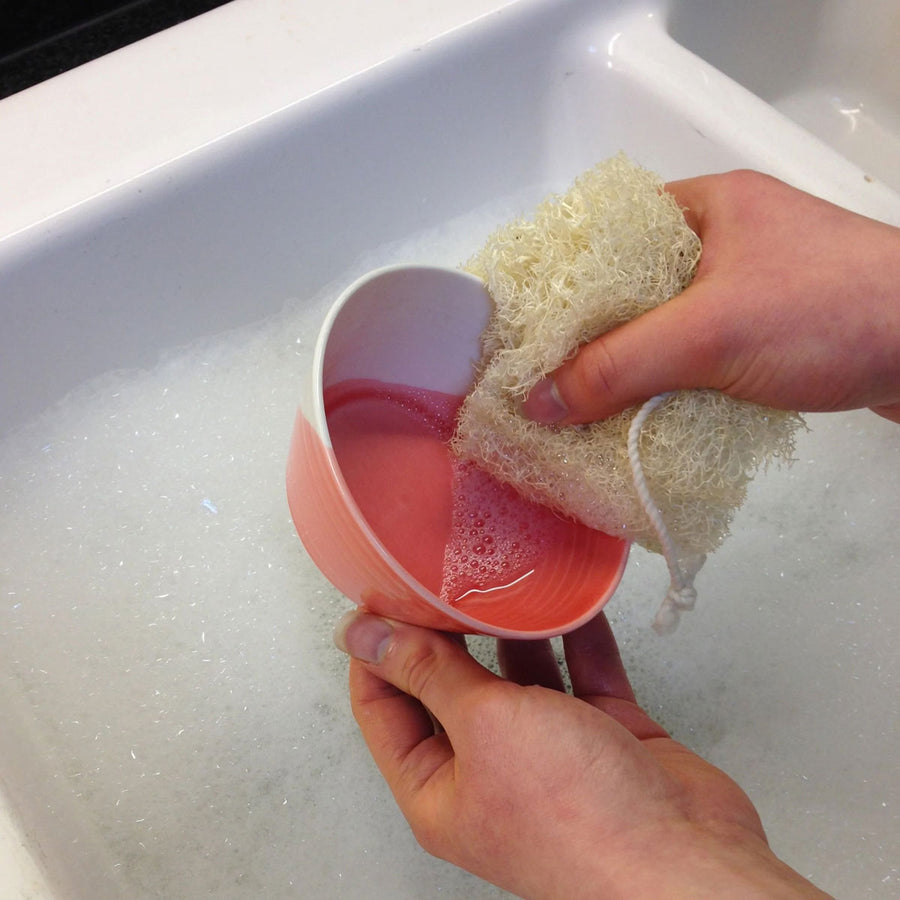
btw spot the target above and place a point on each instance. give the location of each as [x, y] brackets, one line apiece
[659, 351]
[394, 662]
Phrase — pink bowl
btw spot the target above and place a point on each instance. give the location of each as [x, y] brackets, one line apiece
[418, 326]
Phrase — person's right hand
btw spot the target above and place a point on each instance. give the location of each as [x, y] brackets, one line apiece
[795, 305]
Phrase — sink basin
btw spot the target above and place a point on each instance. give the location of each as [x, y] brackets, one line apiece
[176, 217]
[826, 64]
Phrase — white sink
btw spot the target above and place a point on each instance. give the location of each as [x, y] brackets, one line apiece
[828, 65]
[175, 718]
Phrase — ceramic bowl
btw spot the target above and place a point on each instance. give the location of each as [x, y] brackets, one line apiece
[419, 326]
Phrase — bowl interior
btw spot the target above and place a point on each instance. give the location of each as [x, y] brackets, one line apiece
[413, 325]
[396, 355]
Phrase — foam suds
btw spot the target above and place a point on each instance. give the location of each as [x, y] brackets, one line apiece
[490, 543]
[168, 663]
[167, 642]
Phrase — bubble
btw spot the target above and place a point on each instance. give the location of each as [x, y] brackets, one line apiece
[495, 536]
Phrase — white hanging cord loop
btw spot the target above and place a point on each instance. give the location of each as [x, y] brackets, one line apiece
[681, 594]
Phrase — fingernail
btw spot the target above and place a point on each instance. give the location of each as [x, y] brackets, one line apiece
[363, 636]
[543, 404]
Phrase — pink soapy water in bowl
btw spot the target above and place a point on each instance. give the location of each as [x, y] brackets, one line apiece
[465, 537]
[496, 539]
[387, 512]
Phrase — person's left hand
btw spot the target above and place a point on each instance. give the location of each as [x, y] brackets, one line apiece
[543, 793]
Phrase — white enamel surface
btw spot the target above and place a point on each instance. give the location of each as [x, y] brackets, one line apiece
[104, 123]
[828, 65]
[195, 181]
[412, 325]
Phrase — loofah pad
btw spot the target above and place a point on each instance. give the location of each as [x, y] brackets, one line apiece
[614, 246]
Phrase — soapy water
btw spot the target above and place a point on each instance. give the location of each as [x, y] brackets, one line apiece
[169, 671]
[175, 717]
[466, 537]
[495, 539]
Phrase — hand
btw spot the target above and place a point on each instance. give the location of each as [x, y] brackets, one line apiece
[795, 305]
[545, 794]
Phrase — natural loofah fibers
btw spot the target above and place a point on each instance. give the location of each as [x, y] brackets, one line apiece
[614, 246]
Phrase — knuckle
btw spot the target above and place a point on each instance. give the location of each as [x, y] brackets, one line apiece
[598, 372]
[418, 669]
[429, 837]
[739, 182]
[744, 194]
